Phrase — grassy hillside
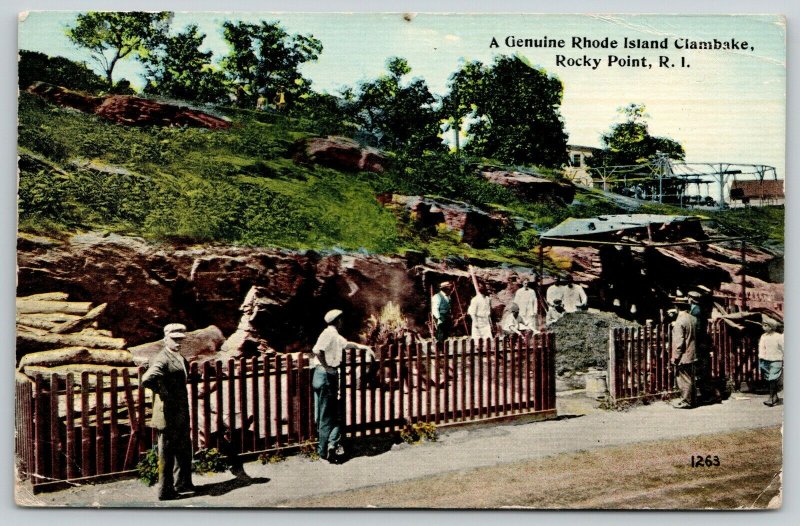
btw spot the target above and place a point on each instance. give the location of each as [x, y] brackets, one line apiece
[241, 186]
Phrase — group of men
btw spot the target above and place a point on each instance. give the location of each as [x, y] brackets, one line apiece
[168, 371]
[520, 307]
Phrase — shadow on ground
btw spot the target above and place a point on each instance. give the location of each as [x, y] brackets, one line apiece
[241, 480]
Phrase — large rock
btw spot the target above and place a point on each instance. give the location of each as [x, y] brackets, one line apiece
[147, 286]
[531, 188]
[342, 153]
[199, 346]
[475, 226]
[126, 109]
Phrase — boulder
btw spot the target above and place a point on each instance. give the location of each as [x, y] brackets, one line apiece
[475, 226]
[531, 188]
[342, 153]
[127, 109]
[199, 346]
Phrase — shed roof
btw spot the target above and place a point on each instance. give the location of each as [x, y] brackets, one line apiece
[606, 224]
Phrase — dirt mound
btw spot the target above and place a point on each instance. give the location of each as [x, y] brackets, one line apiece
[582, 339]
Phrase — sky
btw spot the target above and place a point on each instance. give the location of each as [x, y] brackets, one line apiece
[728, 106]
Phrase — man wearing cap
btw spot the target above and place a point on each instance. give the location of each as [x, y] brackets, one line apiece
[684, 341]
[327, 359]
[770, 357]
[441, 311]
[166, 377]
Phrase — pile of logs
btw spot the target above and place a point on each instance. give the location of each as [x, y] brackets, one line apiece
[57, 336]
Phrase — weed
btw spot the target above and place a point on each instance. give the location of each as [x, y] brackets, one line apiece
[418, 432]
[308, 449]
[274, 457]
[148, 467]
[209, 461]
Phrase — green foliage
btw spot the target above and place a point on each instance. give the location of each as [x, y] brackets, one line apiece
[630, 143]
[513, 109]
[757, 224]
[421, 431]
[397, 116]
[60, 71]
[177, 68]
[112, 36]
[264, 60]
[147, 468]
[209, 461]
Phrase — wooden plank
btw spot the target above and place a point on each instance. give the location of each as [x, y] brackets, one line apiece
[395, 367]
[464, 379]
[409, 355]
[40, 431]
[114, 435]
[361, 393]
[418, 366]
[256, 410]
[242, 403]
[86, 439]
[266, 392]
[99, 429]
[45, 296]
[472, 379]
[402, 382]
[194, 415]
[28, 306]
[278, 402]
[231, 423]
[219, 398]
[372, 403]
[69, 396]
[381, 390]
[443, 378]
[206, 397]
[133, 441]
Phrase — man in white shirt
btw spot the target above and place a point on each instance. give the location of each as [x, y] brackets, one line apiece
[480, 312]
[770, 358]
[526, 300]
[573, 296]
[327, 358]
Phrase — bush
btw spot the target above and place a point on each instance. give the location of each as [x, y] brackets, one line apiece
[308, 449]
[271, 458]
[35, 66]
[209, 461]
[148, 467]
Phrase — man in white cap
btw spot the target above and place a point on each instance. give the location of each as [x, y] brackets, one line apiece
[166, 377]
[441, 310]
[327, 359]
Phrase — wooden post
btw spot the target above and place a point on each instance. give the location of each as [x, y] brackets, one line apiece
[70, 435]
[743, 293]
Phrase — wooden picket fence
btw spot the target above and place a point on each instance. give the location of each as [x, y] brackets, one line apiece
[75, 430]
[639, 363]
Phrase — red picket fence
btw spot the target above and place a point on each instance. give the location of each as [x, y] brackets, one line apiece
[639, 363]
[70, 430]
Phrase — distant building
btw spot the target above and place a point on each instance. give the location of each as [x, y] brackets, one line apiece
[758, 193]
[577, 169]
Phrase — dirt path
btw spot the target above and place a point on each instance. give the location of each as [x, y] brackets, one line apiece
[655, 475]
[581, 427]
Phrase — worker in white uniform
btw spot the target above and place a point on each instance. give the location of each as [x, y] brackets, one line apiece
[525, 298]
[573, 296]
[480, 312]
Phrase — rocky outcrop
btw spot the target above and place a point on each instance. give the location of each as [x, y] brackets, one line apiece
[531, 188]
[199, 346]
[127, 109]
[341, 153]
[474, 226]
[147, 286]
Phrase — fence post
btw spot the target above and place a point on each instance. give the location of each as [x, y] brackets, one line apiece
[612, 365]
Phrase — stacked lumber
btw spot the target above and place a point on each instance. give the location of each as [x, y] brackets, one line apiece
[58, 336]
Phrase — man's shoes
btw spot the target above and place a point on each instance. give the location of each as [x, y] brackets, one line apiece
[682, 405]
[169, 495]
[772, 403]
[335, 455]
[186, 489]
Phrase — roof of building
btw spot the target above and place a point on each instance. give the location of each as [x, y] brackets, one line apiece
[606, 224]
[766, 188]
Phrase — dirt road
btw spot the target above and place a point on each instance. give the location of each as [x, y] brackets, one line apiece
[581, 428]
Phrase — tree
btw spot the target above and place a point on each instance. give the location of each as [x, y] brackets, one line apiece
[397, 116]
[630, 143]
[35, 66]
[512, 109]
[177, 68]
[263, 60]
[113, 36]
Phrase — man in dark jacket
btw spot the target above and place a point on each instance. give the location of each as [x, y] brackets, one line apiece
[166, 377]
